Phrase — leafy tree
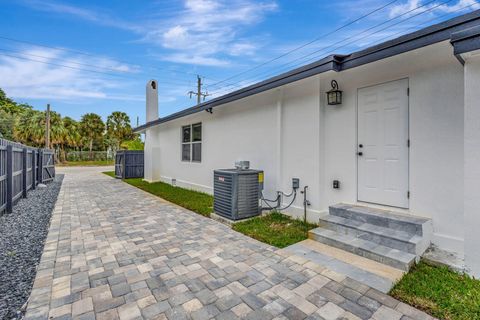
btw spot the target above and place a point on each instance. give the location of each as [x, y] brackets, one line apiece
[118, 129]
[10, 113]
[30, 129]
[7, 124]
[92, 129]
[135, 144]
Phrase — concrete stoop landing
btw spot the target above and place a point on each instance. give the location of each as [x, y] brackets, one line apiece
[369, 245]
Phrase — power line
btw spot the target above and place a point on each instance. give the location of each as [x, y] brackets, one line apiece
[76, 68]
[428, 21]
[372, 33]
[65, 60]
[96, 56]
[289, 64]
[81, 64]
[307, 44]
[219, 93]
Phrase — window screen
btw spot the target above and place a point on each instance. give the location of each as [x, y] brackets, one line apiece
[186, 152]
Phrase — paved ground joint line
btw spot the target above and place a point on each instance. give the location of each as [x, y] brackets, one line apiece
[115, 252]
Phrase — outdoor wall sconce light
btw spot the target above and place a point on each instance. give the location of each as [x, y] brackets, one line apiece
[334, 96]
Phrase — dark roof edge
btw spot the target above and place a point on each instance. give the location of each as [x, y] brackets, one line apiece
[466, 40]
[418, 39]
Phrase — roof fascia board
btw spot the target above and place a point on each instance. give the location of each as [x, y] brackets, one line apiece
[418, 39]
[464, 41]
[326, 64]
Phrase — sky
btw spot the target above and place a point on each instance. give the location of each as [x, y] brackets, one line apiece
[96, 56]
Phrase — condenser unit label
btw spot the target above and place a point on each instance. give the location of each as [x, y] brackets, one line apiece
[221, 179]
[260, 177]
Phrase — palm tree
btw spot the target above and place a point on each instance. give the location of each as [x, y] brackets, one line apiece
[118, 128]
[30, 128]
[57, 130]
[73, 138]
[91, 128]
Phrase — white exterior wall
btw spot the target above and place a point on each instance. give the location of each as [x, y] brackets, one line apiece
[436, 135]
[268, 130]
[289, 132]
[472, 164]
[151, 139]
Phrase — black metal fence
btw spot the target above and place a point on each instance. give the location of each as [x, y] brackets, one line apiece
[22, 168]
[129, 164]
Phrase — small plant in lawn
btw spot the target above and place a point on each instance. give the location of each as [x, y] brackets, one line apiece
[275, 229]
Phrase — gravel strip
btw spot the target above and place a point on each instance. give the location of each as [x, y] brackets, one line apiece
[22, 237]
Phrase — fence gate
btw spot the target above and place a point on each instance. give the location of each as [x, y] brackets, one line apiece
[119, 163]
[48, 165]
[129, 164]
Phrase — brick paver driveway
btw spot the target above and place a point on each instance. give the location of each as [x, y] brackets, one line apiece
[116, 252]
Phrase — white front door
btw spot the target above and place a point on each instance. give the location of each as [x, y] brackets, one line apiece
[382, 149]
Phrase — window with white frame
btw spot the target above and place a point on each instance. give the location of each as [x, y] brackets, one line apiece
[192, 143]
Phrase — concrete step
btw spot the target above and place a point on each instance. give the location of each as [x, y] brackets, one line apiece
[365, 248]
[393, 238]
[366, 271]
[383, 218]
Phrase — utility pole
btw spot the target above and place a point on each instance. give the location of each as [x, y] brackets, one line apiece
[47, 128]
[137, 121]
[199, 92]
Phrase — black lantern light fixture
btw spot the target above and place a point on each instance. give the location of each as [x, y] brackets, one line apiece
[334, 96]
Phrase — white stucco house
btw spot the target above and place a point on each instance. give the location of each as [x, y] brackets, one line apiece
[405, 138]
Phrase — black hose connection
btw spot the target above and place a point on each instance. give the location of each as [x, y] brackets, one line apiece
[278, 200]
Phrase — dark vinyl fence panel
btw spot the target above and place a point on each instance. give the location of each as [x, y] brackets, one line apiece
[129, 164]
[3, 177]
[22, 168]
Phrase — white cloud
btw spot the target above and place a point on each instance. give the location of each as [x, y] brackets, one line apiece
[82, 13]
[245, 49]
[26, 77]
[201, 32]
[445, 8]
[205, 30]
[188, 58]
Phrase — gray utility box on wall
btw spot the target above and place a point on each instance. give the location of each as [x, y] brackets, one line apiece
[237, 193]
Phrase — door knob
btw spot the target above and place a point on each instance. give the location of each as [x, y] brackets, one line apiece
[360, 154]
[360, 145]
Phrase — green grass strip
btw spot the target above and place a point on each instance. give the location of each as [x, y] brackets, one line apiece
[440, 292]
[276, 229]
[195, 201]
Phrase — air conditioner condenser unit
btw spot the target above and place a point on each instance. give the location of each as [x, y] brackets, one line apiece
[237, 193]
